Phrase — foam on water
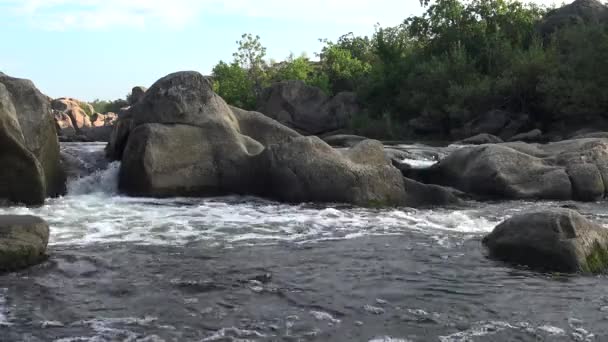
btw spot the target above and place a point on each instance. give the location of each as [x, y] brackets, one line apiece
[100, 217]
[4, 321]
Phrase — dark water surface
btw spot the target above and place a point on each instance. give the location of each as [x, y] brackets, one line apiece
[245, 269]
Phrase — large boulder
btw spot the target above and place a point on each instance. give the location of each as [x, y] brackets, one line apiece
[553, 240]
[573, 169]
[168, 160]
[497, 122]
[576, 13]
[306, 169]
[181, 139]
[182, 98]
[37, 125]
[21, 176]
[23, 242]
[307, 109]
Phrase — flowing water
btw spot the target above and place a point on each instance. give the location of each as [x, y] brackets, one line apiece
[247, 269]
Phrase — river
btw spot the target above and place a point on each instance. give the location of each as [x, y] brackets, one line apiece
[248, 269]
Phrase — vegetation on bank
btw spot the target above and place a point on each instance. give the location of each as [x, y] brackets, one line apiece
[105, 106]
[455, 62]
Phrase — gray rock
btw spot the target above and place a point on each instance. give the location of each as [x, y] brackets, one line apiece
[182, 98]
[23, 242]
[572, 169]
[554, 240]
[262, 128]
[576, 13]
[598, 135]
[21, 175]
[344, 140]
[429, 195]
[180, 160]
[480, 139]
[307, 109]
[137, 93]
[38, 127]
[306, 169]
[532, 136]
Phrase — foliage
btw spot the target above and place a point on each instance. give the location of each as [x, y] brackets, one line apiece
[233, 84]
[104, 106]
[455, 62]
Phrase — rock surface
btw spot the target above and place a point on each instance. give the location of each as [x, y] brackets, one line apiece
[181, 139]
[137, 93]
[571, 169]
[557, 240]
[480, 139]
[578, 12]
[21, 176]
[37, 126]
[23, 242]
[343, 140]
[307, 169]
[307, 109]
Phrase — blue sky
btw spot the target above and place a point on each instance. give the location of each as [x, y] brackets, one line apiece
[102, 48]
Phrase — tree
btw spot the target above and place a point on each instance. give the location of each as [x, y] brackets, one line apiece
[233, 84]
[250, 56]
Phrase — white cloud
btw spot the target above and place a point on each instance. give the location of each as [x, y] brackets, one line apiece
[175, 14]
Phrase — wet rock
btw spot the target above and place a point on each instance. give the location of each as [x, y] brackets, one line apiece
[37, 126]
[553, 240]
[428, 195]
[307, 109]
[23, 241]
[480, 139]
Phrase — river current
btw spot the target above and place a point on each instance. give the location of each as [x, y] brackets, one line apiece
[248, 269]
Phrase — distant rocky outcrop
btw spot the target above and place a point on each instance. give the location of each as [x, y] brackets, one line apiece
[29, 144]
[77, 121]
[308, 109]
[23, 242]
[182, 139]
[558, 240]
[570, 169]
[576, 13]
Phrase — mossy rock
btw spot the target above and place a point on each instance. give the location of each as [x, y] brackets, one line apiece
[23, 242]
[597, 259]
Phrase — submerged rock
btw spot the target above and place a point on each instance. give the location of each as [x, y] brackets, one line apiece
[23, 241]
[555, 240]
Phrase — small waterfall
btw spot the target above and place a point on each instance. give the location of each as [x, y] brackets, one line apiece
[88, 170]
[100, 181]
